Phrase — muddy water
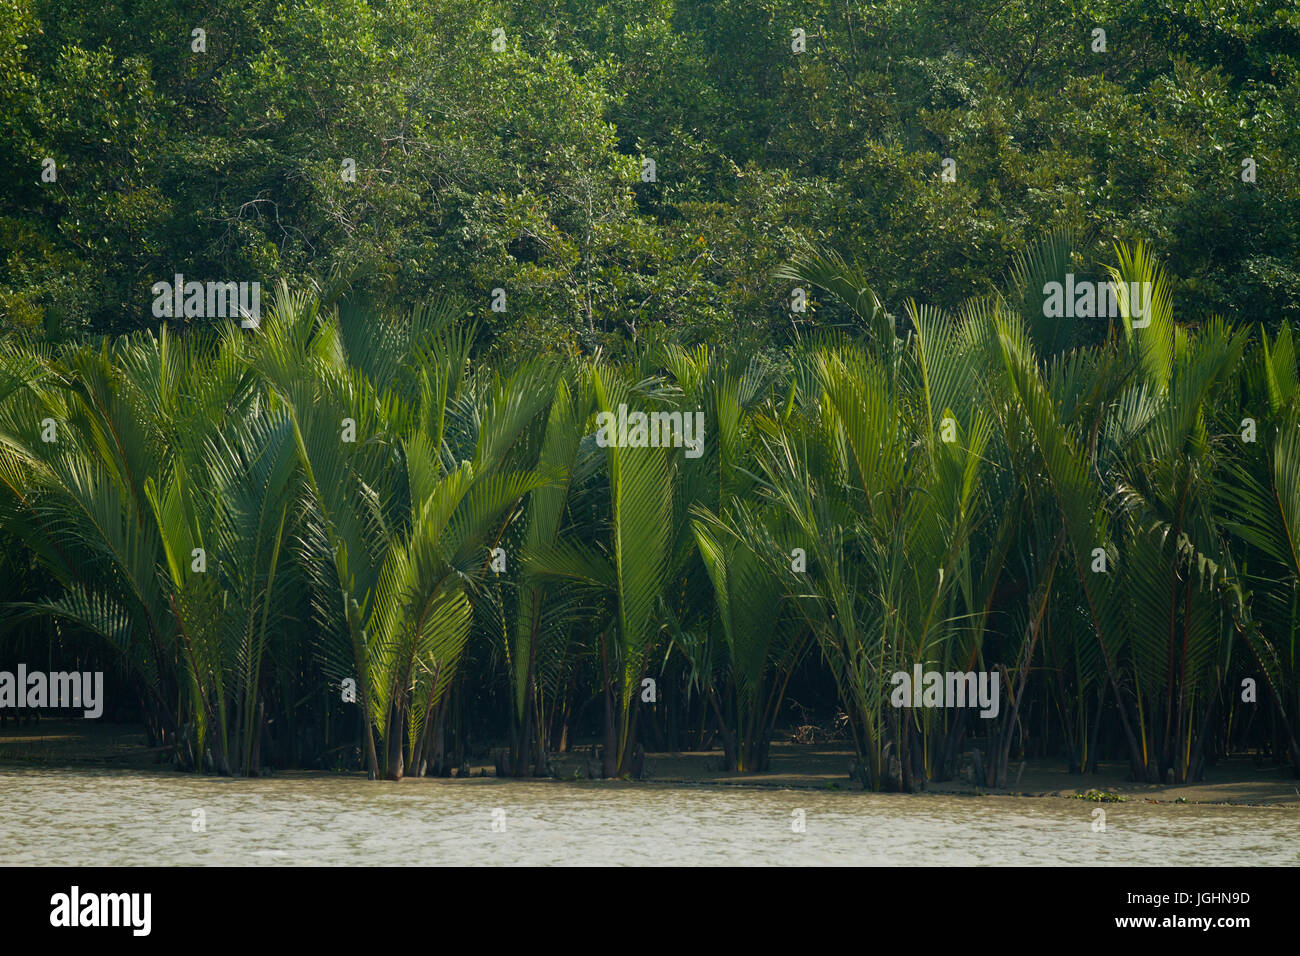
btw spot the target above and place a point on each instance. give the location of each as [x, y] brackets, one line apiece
[102, 818]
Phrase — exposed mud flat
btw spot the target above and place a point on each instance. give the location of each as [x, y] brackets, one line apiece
[1239, 780]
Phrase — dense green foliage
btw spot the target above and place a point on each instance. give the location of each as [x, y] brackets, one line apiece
[393, 485]
[520, 168]
[249, 519]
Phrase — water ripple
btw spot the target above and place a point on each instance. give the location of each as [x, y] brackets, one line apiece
[119, 818]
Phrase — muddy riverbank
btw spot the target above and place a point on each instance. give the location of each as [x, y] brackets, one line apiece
[1239, 780]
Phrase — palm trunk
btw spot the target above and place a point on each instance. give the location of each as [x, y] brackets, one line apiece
[255, 756]
[609, 755]
[728, 739]
[368, 735]
[393, 763]
[523, 755]
[1022, 676]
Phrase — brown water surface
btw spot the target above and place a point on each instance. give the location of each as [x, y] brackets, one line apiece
[103, 817]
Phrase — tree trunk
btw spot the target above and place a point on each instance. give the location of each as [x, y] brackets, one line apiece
[609, 754]
[905, 754]
[522, 755]
[1094, 739]
[1196, 768]
[368, 736]
[729, 755]
[953, 740]
[255, 759]
[393, 764]
[541, 767]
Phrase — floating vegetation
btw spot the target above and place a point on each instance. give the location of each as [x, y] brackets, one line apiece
[1100, 796]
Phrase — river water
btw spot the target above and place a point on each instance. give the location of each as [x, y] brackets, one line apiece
[125, 818]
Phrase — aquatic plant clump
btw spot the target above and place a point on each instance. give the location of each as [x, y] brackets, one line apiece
[1100, 796]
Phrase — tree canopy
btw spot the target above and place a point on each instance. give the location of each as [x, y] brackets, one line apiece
[514, 159]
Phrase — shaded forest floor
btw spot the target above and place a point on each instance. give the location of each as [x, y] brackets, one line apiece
[1241, 779]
